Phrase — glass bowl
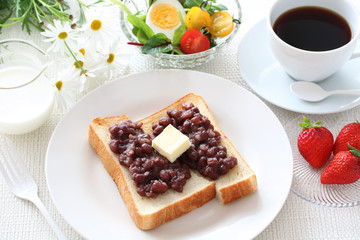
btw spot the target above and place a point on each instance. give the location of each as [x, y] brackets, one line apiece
[186, 60]
[306, 179]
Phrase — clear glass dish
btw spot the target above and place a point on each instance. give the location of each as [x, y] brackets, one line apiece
[306, 179]
[181, 61]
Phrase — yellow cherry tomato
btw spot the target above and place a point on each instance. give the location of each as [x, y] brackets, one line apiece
[196, 18]
[221, 24]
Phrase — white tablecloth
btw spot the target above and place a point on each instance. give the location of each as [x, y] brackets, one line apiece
[298, 219]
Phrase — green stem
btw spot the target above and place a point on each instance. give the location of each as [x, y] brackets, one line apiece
[55, 9]
[122, 6]
[17, 8]
[37, 13]
[82, 19]
[82, 4]
[26, 12]
[72, 54]
[60, 6]
[44, 4]
[354, 151]
[10, 24]
[36, 26]
[42, 13]
[33, 13]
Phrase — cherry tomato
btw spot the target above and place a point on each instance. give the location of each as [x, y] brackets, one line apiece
[221, 24]
[193, 41]
[196, 18]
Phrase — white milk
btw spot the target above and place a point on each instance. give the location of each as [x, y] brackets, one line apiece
[26, 108]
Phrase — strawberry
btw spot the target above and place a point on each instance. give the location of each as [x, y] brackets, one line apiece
[315, 143]
[349, 134]
[344, 168]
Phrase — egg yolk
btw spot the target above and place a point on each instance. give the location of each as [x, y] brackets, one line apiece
[164, 16]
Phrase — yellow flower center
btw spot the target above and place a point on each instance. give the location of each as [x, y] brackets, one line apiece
[84, 72]
[63, 35]
[59, 85]
[96, 25]
[82, 51]
[77, 64]
[111, 58]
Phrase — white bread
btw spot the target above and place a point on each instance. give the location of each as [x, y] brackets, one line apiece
[148, 213]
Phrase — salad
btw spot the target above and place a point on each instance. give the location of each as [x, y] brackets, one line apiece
[179, 26]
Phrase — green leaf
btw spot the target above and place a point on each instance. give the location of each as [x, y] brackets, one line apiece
[307, 124]
[177, 50]
[141, 36]
[4, 18]
[179, 31]
[141, 15]
[182, 2]
[31, 13]
[151, 2]
[143, 30]
[4, 4]
[159, 43]
[218, 6]
[192, 3]
[209, 5]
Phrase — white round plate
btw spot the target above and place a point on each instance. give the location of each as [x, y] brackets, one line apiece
[306, 180]
[88, 198]
[266, 77]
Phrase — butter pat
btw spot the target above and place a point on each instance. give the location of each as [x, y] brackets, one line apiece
[171, 143]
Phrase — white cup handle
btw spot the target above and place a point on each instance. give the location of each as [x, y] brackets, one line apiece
[355, 55]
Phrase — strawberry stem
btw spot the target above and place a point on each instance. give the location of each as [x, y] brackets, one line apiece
[307, 124]
[354, 151]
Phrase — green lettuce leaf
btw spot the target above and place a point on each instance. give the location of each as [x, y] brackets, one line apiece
[142, 31]
[159, 43]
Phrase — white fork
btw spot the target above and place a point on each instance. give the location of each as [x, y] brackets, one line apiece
[20, 182]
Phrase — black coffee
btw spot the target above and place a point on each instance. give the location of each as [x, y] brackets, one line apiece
[313, 29]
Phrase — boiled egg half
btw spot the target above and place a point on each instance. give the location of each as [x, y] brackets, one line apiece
[162, 17]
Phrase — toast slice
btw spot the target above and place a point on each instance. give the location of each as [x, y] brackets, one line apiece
[148, 213]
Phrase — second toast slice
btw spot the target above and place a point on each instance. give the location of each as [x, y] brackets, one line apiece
[240, 180]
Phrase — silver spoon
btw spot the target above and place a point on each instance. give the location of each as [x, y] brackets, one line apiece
[312, 92]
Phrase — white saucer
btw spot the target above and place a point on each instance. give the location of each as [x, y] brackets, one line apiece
[267, 78]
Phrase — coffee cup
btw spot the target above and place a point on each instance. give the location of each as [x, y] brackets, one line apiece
[306, 49]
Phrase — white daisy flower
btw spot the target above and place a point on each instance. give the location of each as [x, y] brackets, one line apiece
[67, 84]
[59, 35]
[117, 59]
[89, 80]
[92, 69]
[102, 27]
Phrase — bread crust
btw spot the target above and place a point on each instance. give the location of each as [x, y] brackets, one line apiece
[238, 182]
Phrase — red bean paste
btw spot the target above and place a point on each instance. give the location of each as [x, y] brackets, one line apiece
[152, 173]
